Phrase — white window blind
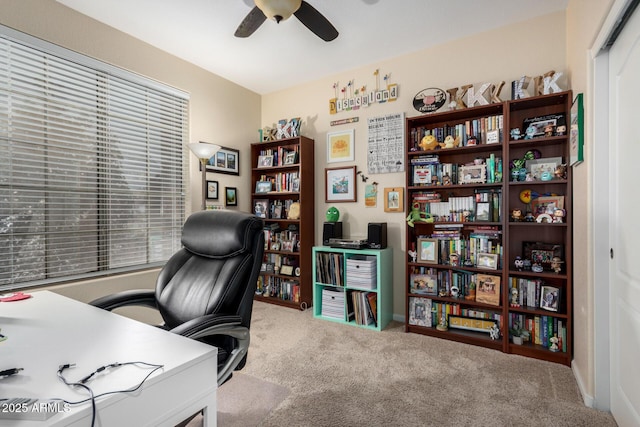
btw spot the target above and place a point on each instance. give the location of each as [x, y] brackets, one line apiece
[91, 166]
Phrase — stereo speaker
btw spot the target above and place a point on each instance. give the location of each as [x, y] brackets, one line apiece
[331, 230]
[377, 235]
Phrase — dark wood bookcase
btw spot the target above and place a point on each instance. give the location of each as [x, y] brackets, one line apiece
[473, 222]
[279, 181]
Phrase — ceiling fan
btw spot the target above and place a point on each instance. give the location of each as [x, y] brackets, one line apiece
[280, 10]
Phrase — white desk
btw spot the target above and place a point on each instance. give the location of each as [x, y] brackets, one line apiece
[49, 330]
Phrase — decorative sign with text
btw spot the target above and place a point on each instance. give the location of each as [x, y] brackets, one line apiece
[349, 98]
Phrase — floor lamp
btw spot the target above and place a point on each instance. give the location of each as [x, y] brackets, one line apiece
[204, 151]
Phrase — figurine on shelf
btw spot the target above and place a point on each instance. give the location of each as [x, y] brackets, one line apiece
[442, 326]
[526, 264]
[556, 264]
[446, 179]
[549, 130]
[413, 254]
[515, 134]
[472, 140]
[561, 130]
[561, 171]
[454, 259]
[450, 142]
[418, 216]
[530, 132]
[494, 332]
[537, 268]
[518, 263]
[516, 215]
[558, 215]
[514, 300]
[428, 142]
[554, 343]
[455, 292]
[529, 217]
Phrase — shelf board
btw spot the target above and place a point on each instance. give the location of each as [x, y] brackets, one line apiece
[468, 337]
[540, 352]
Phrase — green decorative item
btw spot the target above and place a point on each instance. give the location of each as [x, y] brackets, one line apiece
[333, 214]
[416, 215]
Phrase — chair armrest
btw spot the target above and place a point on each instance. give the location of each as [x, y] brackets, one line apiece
[139, 297]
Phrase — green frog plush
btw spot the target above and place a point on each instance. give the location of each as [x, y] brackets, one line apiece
[417, 216]
[333, 214]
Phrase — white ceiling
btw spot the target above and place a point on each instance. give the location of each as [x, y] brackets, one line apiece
[279, 56]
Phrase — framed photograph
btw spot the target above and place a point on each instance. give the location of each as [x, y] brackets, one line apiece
[261, 208]
[226, 160]
[393, 200]
[231, 196]
[423, 284]
[295, 185]
[576, 132]
[542, 253]
[483, 211]
[536, 167]
[420, 311]
[212, 190]
[263, 186]
[291, 158]
[277, 212]
[489, 261]
[546, 204]
[265, 161]
[471, 323]
[340, 146]
[340, 184]
[473, 174]
[287, 270]
[549, 298]
[428, 251]
[540, 122]
[488, 289]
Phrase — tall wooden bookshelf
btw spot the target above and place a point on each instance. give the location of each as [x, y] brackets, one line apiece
[457, 263]
[283, 182]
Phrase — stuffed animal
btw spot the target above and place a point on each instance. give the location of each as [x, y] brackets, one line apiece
[450, 142]
[429, 142]
[417, 216]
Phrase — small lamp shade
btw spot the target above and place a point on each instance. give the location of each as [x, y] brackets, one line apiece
[204, 150]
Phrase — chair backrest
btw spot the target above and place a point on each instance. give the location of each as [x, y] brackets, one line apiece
[216, 270]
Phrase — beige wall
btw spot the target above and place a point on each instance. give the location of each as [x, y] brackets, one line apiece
[504, 54]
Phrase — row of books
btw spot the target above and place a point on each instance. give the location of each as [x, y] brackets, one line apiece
[362, 308]
[483, 205]
[426, 172]
[330, 268]
[280, 182]
[284, 289]
[429, 313]
[469, 132]
[280, 240]
[541, 329]
[469, 251]
[528, 291]
[276, 261]
[273, 209]
[470, 286]
[281, 155]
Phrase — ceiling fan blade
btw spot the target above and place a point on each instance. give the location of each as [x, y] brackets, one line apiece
[316, 22]
[250, 23]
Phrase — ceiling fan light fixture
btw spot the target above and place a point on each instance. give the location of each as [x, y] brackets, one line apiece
[278, 10]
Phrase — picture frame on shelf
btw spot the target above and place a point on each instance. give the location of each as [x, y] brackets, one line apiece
[394, 199]
[340, 184]
[473, 174]
[488, 261]
[263, 187]
[536, 167]
[546, 204]
[550, 298]
[420, 311]
[488, 289]
[426, 284]
[471, 323]
[287, 270]
[231, 196]
[340, 146]
[483, 211]
[277, 212]
[291, 158]
[542, 253]
[261, 208]
[265, 161]
[226, 160]
[427, 251]
[295, 185]
[576, 132]
[540, 122]
[212, 190]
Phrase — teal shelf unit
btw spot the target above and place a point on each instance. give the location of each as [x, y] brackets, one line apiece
[383, 285]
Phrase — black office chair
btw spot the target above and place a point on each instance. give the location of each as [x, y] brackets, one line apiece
[205, 291]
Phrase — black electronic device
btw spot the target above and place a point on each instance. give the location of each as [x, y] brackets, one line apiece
[377, 235]
[348, 243]
[331, 230]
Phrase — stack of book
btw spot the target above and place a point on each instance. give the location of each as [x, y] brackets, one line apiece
[333, 303]
[362, 272]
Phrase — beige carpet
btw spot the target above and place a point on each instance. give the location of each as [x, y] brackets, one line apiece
[340, 375]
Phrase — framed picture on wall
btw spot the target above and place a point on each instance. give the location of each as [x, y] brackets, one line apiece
[231, 196]
[226, 160]
[340, 184]
[212, 190]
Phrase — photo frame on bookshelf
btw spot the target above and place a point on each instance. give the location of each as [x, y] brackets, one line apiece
[226, 160]
[277, 212]
[542, 253]
[420, 311]
[550, 298]
[212, 190]
[291, 158]
[426, 284]
[295, 185]
[540, 122]
[536, 167]
[394, 199]
[261, 208]
[483, 211]
[265, 161]
[546, 204]
[287, 270]
[473, 174]
[427, 251]
[488, 261]
[263, 186]
[471, 323]
[488, 289]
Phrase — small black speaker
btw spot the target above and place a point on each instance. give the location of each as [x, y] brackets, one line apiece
[377, 235]
[331, 230]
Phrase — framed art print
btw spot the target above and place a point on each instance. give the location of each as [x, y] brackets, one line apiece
[340, 184]
[231, 196]
[393, 200]
[212, 190]
[549, 298]
[226, 160]
[340, 146]
[428, 251]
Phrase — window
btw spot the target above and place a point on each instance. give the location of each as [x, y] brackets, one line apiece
[91, 166]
